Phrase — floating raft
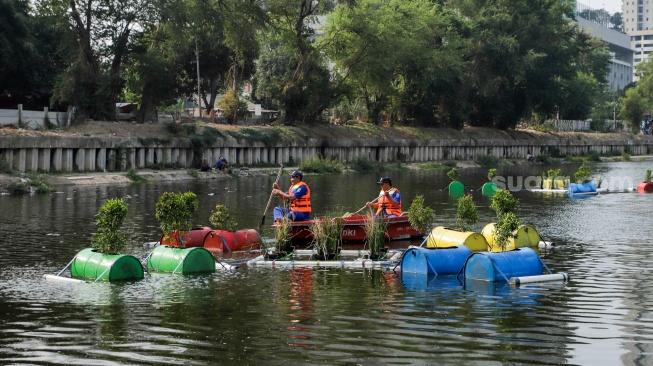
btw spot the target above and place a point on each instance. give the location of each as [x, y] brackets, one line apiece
[357, 263]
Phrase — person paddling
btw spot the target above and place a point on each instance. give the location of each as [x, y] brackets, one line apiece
[389, 200]
[299, 197]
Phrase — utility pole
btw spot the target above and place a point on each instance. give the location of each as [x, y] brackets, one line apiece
[197, 60]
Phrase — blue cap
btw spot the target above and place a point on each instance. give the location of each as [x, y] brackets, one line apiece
[297, 173]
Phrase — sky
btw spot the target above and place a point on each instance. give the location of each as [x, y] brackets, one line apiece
[612, 6]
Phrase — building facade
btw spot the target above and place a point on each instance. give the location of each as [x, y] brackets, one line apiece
[638, 23]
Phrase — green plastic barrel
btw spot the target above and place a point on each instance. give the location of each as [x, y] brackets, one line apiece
[456, 189]
[180, 260]
[489, 189]
[91, 264]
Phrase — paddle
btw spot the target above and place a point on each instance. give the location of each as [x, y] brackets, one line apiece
[361, 209]
[270, 199]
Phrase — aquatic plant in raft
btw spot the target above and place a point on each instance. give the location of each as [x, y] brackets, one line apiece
[504, 204]
[491, 174]
[174, 212]
[220, 219]
[582, 175]
[466, 213]
[453, 174]
[648, 176]
[110, 218]
[283, 236]
[420, 217]
[327, 236]
[375, 234]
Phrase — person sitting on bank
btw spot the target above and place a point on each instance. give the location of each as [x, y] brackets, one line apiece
[205, 166]
[222, 163]
[299, 197]
[389, 201]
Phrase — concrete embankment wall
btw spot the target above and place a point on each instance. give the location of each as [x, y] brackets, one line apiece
[68, 154]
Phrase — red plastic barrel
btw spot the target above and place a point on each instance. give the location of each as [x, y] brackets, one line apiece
[193, 238]
[235, 240]
[645, 187]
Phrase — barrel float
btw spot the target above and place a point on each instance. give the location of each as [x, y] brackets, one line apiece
[582, 188]
[456, 189]
[180, 260]
[227, 241]
[560, 183]
[421, 282]
[193, 238]
[91, 264]
[645, 187]
[442, 237]
[489, 189]
[525, 236]
[434, 261]
[498, 267]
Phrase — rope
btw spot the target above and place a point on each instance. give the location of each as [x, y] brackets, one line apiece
[105, 271]
[66, 267]
[180, 262]
[289, 263]
[544, 264]
[225, 243]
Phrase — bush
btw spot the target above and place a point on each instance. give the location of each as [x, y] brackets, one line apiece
[453, 174]
[364, 165]
[420, 217]
[321, 166]
[487, 161]
[174, 211]
[134, 177]
[220, 219]
[466, 214]
[110, 218]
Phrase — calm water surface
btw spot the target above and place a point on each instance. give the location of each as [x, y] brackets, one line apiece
[312, 316]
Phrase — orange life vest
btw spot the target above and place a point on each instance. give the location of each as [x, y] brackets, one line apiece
[387, 206]
[302, 204]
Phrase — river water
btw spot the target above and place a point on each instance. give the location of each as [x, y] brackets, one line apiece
[255, 316]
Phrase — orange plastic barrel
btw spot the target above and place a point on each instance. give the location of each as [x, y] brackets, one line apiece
[193, 238]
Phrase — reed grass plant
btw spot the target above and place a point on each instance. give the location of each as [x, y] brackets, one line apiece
[327, 236]
[375, 234]
[283, 236]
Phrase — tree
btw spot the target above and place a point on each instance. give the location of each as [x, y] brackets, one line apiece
[634, 106]
[16, 43]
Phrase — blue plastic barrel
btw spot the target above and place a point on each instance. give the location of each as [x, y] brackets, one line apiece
[499, 267]
[582, 188]
[434, 261]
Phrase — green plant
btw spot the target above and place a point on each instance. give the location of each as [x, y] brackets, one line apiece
[283, 236]
[625, 156]
[649, 175]
[504, 229]
[420, 217]
[327, 234]
[220, 219]
[466, 214]
[375, 233]
[110, 218]
[582, 174]
[453, 174]
[491, 174]
[174, 212]
[504, 202]
[487, 161]
[47, 124]
[364, 165]
[193, 172]
[320, 165]
[232, 106]
[593, 156]
[134, 177]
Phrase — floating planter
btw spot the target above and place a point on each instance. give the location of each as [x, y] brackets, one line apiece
[92, 265]
[193, 238]
[583, 189]
[498, 267]
[557, 183]
[442, 237]
[180, 260]
[434, 261]
[645, 187]
[456, 189]
[489, 189]
[525, 236]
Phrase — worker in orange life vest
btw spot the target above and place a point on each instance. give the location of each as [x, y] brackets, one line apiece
[298, 196]
[389, 200]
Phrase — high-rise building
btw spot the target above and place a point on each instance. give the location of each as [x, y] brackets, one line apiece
[638, 24]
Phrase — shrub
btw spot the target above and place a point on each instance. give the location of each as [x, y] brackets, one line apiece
[375, 233]
[505, 229]
[134, 177]
[582, 174]
[491, 174]
[453, 174]
[648, 176]
[174, 212]
[110, 218]
[364, 165]
[420, 217]
[327, 236]
[220, 219]
[504, 202]
[487, 161]
[466, 214]
[319, 165]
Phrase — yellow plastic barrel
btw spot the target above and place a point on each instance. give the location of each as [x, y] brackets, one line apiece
[442, 237]
[525, 236]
